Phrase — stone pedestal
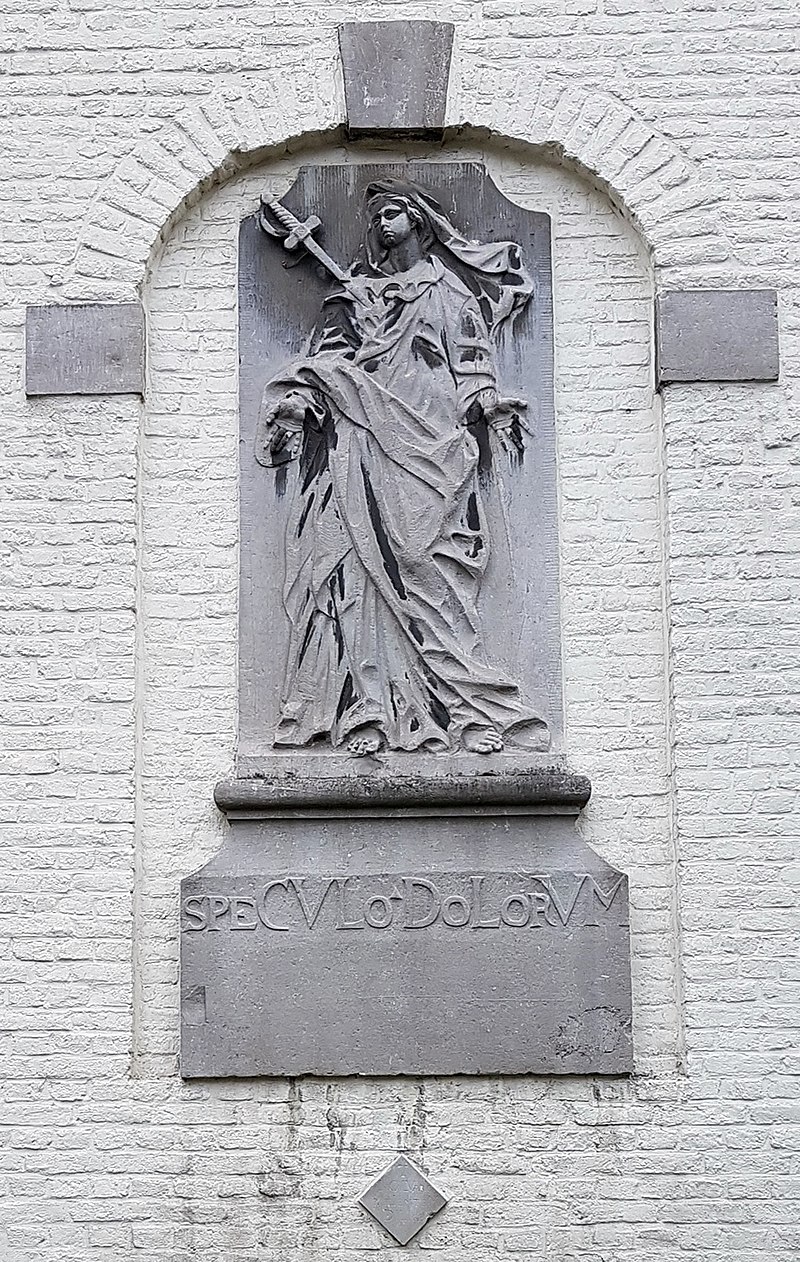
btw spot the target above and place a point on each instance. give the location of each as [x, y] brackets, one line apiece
[363, 923]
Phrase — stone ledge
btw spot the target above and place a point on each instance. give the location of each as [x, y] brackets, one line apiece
[550, 790]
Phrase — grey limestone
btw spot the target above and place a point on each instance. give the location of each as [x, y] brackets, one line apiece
[350, 784]
[404, 940]
[402, 889]
[717, 335]
[395, 77]
[402, 1200]
[377, 495]
[92, 348]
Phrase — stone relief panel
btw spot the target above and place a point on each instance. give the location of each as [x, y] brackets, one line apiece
[399, 615]
[399, 586]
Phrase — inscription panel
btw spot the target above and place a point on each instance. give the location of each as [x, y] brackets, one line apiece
[422, 972]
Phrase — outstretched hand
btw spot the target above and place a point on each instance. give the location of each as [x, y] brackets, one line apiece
[290, 411]
[285, 428]
[504, 416]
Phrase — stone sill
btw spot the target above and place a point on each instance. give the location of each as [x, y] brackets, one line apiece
[337, 786]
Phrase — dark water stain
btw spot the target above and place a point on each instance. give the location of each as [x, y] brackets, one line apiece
[389, 559]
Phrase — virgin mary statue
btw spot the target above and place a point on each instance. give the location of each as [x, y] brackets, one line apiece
[387, 542]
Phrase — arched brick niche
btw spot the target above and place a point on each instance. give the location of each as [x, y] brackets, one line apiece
[611, 544]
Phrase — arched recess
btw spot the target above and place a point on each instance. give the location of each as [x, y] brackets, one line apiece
[670, 199]
[611, 525]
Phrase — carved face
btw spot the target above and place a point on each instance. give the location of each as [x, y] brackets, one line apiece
[394, 223]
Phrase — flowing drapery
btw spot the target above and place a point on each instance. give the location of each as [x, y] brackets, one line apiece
[387, 541]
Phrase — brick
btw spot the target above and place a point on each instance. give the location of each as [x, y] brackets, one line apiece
[680, 571]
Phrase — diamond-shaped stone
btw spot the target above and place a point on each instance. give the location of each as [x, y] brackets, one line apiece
[402, 1200]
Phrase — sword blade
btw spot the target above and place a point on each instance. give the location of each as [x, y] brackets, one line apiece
[325, 259]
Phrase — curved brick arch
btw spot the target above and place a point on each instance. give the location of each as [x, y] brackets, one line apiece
[203, 142]
[671, 200]
[675, 209]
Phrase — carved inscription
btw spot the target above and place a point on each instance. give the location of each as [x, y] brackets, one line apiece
[289, 904]
[415, 967]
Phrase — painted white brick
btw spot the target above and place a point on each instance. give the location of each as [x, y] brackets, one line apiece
[680, 547]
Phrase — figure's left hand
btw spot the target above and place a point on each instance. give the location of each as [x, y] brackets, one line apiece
[504, 416]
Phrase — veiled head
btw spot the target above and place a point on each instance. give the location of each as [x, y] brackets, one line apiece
[398, 210]
[393, 219]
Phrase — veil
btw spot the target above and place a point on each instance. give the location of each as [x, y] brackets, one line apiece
[493, 271]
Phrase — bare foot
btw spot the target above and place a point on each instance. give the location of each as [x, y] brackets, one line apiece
[483, 740]
[367, 741]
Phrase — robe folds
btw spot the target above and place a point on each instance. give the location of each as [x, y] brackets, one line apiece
[387, 543]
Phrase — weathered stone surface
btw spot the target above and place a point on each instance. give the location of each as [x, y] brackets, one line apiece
[402, 1200]
[386, 431]
[421, 908]
[399, 541]
[460, 783]
[717, 335]
[404, 942]
[396, 76]
[94, 348]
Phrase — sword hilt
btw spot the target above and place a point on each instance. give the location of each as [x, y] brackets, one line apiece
[283, 216]
[297, 232]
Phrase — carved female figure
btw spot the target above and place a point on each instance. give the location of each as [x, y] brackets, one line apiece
[387, 541]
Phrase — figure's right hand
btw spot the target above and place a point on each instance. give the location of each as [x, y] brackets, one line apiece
[290, 412]
[285, 431]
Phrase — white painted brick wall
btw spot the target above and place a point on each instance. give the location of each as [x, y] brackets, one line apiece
[680, 542]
